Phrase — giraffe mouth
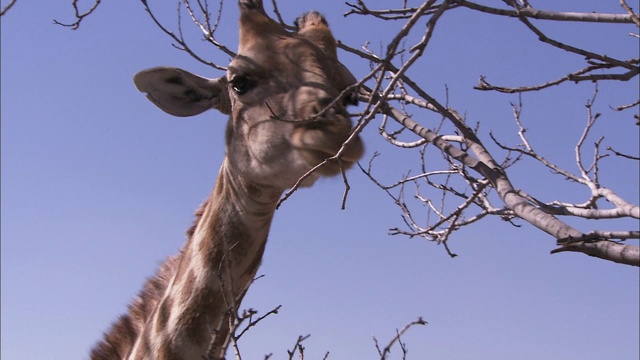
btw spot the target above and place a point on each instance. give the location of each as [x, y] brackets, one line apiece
[320, 145]
[330, 164]
[327, 164]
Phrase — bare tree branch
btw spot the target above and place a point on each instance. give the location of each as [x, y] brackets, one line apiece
[389, 14]
[384, 352]
[297, 347]
[634, 16]
[587, 54]
[79, 15]
[207, 29]
[6, 8]
[530, 12]
[629, 106]
[617, 153]
[576, 77]
[608, 250]
[516, 202]
[469, 182]
[182, 45]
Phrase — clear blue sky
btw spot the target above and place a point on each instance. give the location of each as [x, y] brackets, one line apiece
[98, 187]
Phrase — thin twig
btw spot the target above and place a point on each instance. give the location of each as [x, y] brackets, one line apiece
[617, 153]
[384, 353]
[182, 45]
[6, 8]
[79, 16]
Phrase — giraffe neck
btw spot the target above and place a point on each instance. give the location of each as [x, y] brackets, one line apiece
[217, 265]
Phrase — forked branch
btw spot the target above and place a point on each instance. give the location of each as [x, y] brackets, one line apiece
[78, 14]
[464, 149]
[386, 350]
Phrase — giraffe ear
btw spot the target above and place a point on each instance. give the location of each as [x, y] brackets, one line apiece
[181, 93]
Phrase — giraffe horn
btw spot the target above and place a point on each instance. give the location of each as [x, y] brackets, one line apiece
[247, 5]
[255, 24]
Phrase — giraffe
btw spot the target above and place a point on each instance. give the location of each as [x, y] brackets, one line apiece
[286, 96]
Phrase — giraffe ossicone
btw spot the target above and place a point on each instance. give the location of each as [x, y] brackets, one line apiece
[286, 95]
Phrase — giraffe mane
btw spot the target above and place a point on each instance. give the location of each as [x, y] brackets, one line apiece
[119, 339]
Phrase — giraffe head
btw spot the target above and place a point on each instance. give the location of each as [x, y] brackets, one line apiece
[284, 92]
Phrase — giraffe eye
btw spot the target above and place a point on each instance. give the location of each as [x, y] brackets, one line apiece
[241, 84]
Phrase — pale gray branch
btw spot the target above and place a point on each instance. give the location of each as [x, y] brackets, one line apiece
[603, 249]
[530, 12]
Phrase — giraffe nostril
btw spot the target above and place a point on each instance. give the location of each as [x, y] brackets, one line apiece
[332, 107]
[350, 99]
[324, 102]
